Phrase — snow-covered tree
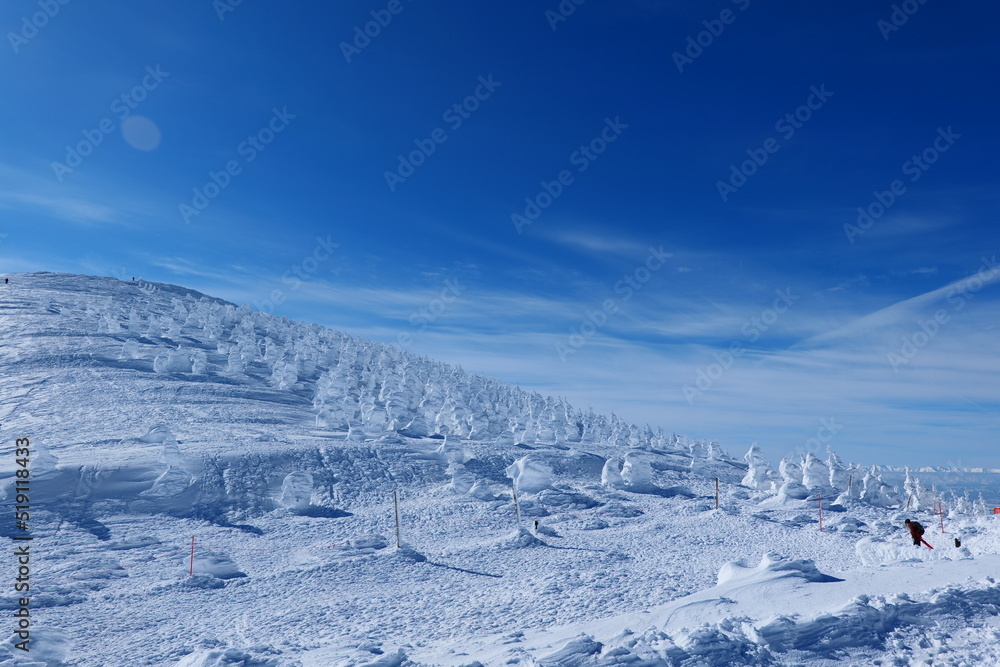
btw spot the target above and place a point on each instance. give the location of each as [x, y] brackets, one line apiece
[839, 473]
[791, 481]
[913, 490]
[815, 474]
[611, 476]
[960, 505]
[875, 491]
[759, 473]
[530, 474]
[637, 472]
[296, 491]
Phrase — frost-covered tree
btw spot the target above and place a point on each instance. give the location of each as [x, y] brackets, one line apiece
[875, 491]
[530, 474]
[361, 387]
[130, 350]
[637, 472]
[759, 473]
[296, 491]
[815, 473]
[173, 361]
[791, 481]
[839, 473]
[611, 476]
[855, 482]
[715, 452]
[619, 432]
[199, 362]
[698, 450]
[960, 504]
[913, 490]
[134, 322]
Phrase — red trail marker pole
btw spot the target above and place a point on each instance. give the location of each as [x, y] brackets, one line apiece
[191, 563]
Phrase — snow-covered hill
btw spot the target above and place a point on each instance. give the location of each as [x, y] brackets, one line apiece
[164, 423]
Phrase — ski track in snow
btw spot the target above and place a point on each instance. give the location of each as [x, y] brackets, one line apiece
[130, 463]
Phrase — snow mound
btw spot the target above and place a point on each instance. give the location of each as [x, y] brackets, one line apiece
[847, 524]
[519, 539]
[408, 554]
[213, 564]
[575, 652]
[876, 552]
[226, 658]
[361, 546]
[49, 647]
[157, 433]
[773, 566]
[462, 480]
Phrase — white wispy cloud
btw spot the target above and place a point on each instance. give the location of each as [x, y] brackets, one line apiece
[95, 203]
[909, 225]
[64, 208]
[599, 243]
[908, 310]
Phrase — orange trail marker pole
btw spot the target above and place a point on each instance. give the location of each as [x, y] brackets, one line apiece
[191, 563]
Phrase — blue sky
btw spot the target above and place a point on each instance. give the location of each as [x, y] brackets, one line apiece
[681, 256]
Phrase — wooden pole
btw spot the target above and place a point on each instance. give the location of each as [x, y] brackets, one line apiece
[191, 563]
[941, 514]
[821, 512]
[908, 499]
[850, 485]
[716, 493]
[517, 508]
[395, 503]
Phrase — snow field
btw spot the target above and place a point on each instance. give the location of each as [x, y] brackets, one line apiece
[157, 413]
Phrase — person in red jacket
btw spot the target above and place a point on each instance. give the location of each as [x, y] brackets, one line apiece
[916, 531]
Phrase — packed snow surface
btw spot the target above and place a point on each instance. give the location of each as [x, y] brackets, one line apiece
[165, 423]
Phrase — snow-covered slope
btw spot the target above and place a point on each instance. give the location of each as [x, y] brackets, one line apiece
[158, 416]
